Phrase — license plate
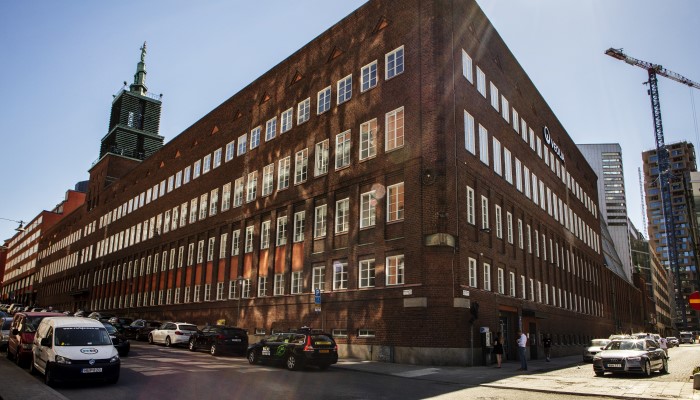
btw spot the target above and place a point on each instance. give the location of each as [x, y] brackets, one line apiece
[323, 351]
[91, 370]
[614, 365]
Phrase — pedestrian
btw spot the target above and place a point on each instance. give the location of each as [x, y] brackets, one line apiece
[547, 343]
[522, 342]
[498, 349]
[663, 343]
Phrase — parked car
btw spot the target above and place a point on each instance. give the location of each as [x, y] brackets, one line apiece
[593, 348]
[5, 324]
[140, 328]
[120, 322]
[295, 350]
[82, 313]
[101, 316]
[219, 339]
[631, 355]
[24, 324]
[121, 343]
[672, 341]
[172, 333]
[79, 349]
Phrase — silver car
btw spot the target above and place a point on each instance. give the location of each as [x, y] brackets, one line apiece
[5, 332]
[631, 356]
[593, 348]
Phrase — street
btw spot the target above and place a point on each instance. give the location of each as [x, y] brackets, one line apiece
[152, 371]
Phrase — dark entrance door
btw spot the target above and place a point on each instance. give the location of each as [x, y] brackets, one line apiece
[506, 322]
[533, 341]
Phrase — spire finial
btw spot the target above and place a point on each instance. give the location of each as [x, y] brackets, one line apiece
[139, 85]
[143, 52]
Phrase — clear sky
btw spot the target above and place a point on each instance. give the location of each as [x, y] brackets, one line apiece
[61, 62]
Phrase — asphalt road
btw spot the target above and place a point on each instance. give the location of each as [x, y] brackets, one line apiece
[175, 373]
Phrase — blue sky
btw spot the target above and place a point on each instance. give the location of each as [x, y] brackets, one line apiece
[62, 62]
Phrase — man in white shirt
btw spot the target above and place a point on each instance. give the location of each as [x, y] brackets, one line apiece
[663, 343]
[522, 343]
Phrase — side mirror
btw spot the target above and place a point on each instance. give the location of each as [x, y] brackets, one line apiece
[15, 331]
[46, 342]
[602, 348]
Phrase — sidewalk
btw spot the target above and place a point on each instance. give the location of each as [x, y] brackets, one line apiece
[533, 379]
[16, 383]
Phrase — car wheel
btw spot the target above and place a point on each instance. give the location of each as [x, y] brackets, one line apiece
[32, 369]
[167, 342]
[192, 346]
[150, 339]
[17, 358]
[599, 373]
[48, 377]
[9, 354]
[213, 350]
[293, 363]
[252, 357]
[647, 368]
[664, 366]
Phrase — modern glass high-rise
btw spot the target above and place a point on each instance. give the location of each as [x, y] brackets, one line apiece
[606, 161]
[682, 162]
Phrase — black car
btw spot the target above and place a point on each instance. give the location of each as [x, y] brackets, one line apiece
[120, 342]
[140, 328]
[120, 322]
[296, 350]
[220, 339]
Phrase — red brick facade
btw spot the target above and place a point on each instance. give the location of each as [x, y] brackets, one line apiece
[417, 309]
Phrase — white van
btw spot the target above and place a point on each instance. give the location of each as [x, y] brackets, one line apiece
[75, 349]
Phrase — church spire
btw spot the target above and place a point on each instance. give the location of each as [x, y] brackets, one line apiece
[139, 85]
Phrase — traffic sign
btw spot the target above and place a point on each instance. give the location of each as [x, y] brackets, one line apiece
[317, 296]
[694, 300]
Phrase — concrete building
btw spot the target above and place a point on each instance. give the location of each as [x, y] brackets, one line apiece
[402, 165]
[685, 274]
[606, 161]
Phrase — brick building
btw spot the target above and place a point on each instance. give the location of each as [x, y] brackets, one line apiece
[21, 264]
[402, 164]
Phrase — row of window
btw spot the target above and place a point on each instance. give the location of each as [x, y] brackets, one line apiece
[525, 182]
[560, 298]
[520, 127]
[366, 272]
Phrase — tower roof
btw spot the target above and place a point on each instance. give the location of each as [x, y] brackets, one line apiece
[139, 85]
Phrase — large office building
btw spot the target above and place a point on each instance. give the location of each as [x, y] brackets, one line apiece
[685, 274]
[606, 161]
[398, 181]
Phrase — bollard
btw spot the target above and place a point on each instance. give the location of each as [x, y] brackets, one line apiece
[696, 381]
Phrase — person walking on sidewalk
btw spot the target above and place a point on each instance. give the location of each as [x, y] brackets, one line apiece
[663, 343]
[498, 349]
[522, 343]
[547, 343]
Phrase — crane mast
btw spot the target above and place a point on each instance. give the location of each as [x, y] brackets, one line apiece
[663, 162]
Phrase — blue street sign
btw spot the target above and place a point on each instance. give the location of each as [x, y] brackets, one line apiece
[317, 296]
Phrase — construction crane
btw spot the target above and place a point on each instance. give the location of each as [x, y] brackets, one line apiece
[663, 160]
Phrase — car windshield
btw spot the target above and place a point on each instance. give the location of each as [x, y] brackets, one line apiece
[625, 345]
[184, 327]
[110, 328]
[230, 331]
[6, 324]
[30, 324]
[82, 336]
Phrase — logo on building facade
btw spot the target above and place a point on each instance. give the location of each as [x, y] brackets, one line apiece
[552, 144]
